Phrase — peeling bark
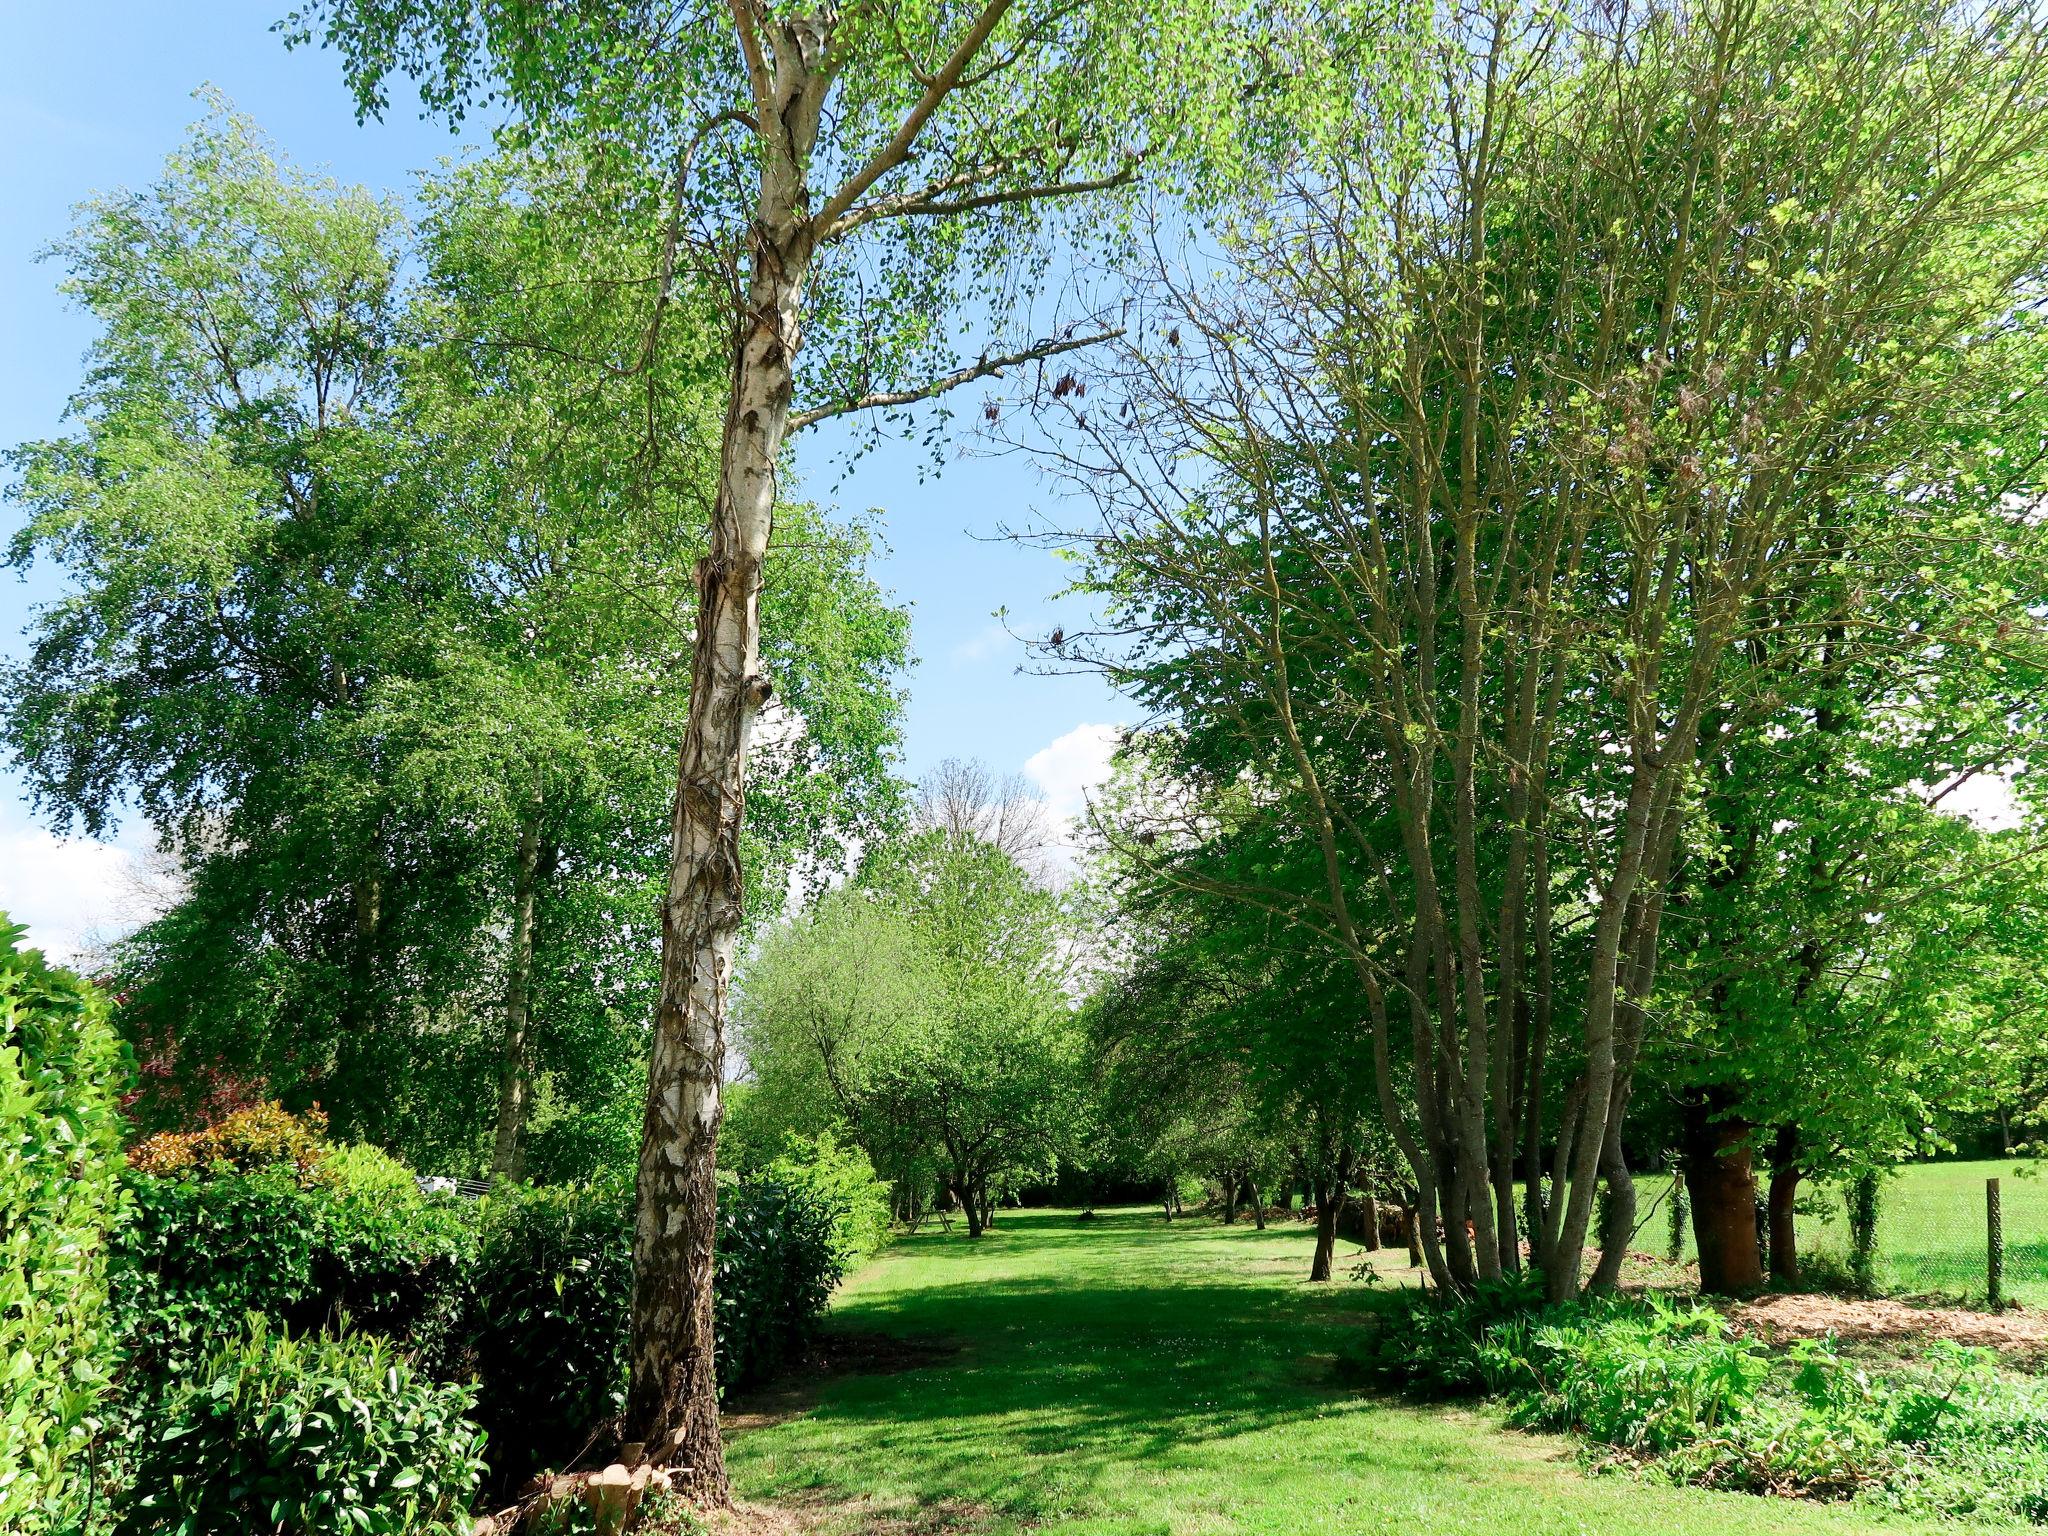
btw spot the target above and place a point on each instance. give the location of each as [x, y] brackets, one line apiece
[672, 1397]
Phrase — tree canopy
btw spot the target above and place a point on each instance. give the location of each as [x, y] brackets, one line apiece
[370, 626]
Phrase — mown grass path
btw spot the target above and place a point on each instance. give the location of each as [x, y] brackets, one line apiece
[1123, 1377]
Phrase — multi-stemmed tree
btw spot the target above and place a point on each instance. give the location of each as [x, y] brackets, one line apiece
[1437, 515]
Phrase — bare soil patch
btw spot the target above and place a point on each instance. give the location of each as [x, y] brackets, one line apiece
[853, 1353]
[1777, 1318]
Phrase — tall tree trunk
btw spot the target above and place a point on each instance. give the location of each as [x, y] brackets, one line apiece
[359, 1065]
[1327, 1202]
[1783, 1195]
[508, 1154]
[1722, 1182]
[672, 1396]
[1372, 1221]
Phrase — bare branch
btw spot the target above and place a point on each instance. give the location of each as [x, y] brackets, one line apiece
[983, 368]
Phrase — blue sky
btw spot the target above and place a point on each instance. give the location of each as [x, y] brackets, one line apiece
[94, 96]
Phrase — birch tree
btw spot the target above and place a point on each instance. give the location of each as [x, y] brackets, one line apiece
[848, 172]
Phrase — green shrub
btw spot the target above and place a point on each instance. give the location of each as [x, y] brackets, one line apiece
[61, 1067]
[528, 1292]
[1677, 1390]
[1979, 1440]
[305, 1437]
[196, 1256]
[396, 1262]
[1432, 1347]
[364, 1172]
[546, 1326]
[203, 1249]
[843, 1181]
[1645, 1378]
[778, 1259]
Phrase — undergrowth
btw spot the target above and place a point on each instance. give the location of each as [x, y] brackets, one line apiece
[1672, 1389]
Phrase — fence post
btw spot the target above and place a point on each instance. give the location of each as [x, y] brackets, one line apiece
[1994, 1243]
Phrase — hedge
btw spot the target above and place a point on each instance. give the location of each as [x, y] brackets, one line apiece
[62, 1069]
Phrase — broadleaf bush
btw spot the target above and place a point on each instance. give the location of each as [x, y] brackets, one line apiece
[546, 1319]
[780, 1253]
[318, 1436]
[203, 1249]
[261, 1136]
[1675, 1390]
[525, 1294]
[61, 1067]
[843, 1180]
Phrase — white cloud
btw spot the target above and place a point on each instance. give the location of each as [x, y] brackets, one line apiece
[73, 894]
[1072, 766]
[984, 643]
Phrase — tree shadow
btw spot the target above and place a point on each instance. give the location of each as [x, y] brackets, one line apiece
[1112, 1344]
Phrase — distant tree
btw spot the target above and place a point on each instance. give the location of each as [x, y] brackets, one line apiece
[964, 800]
[1230, 1037]
[923, 1010]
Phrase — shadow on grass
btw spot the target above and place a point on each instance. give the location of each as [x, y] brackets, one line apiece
[1086, 1349]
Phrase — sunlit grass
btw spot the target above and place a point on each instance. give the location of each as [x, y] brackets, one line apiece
[1123, 1376]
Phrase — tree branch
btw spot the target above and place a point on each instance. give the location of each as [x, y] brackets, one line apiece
[929, 202]
[744, 24]
[891, 154]
[984, 368]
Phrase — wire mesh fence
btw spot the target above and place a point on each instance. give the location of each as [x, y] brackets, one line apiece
[1932, 1236]
[1933, 1230]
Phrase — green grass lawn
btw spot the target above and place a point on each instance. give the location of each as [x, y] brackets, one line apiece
[1123, 1376]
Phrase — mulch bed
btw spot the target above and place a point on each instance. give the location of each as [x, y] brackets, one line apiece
[1777, 1318]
